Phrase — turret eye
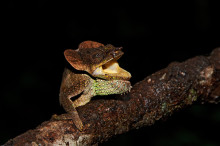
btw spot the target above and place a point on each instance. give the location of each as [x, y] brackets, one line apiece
[98, 55]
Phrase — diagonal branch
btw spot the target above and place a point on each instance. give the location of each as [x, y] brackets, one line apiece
[156, 97]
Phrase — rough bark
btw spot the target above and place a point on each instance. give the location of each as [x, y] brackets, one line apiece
[156, 97]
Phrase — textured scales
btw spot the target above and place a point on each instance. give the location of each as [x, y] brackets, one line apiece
[100, 62]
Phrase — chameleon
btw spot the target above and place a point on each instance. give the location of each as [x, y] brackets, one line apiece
[94, 70]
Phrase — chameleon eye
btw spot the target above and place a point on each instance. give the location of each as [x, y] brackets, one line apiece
[98, 55]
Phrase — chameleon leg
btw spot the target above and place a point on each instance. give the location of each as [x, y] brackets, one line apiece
[82, 100]
[70, 107]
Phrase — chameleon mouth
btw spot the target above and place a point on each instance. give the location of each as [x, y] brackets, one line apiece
[111, 70]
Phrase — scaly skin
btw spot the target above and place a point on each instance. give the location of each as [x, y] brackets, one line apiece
[86, 59]
[104, 87]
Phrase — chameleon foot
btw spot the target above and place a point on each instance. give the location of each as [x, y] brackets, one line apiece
[73, 116]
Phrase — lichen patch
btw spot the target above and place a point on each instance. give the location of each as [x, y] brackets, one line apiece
[206, 75]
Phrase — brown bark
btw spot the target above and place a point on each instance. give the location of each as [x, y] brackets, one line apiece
[156, 97]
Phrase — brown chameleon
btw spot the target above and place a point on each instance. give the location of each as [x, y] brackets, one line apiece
[95, 72]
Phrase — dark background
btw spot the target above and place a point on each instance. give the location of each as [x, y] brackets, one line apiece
[153, 34]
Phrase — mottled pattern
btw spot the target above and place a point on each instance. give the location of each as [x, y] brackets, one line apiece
[72, 85]
[77, 89]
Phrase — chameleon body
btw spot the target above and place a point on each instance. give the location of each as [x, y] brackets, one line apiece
[95, 72]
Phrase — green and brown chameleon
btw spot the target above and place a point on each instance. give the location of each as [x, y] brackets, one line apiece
[96, 72]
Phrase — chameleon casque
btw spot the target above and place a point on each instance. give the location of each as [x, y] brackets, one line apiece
[95, 72]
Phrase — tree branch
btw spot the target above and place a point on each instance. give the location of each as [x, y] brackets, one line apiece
[156, 97]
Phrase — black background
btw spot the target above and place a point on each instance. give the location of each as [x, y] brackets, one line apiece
[153, 34]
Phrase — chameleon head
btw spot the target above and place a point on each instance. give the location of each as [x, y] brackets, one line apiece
[98, 60]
